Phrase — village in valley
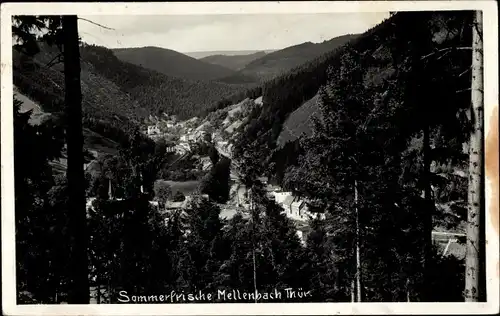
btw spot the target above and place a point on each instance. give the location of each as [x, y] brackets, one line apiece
[219, 129]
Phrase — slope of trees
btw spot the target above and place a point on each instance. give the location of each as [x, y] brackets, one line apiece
[154, 91]
[175, 64]
[116, 95]
[383, 57]
[235, 62]
[281, 61]
[363, 147]
[106, 110]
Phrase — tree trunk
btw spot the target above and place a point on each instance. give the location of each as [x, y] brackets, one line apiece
[408, 290]
[428, 213]
[252, 210]
[75, 174]
[358, 256]
[353, 292]
[474, 246]
[98, 285]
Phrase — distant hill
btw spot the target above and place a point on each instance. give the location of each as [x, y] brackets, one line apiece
[283, 60]
[156, 92]
[175, 64]
[199, 55]
[234, 62]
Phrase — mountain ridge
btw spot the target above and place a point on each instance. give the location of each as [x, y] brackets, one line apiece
[234, 62]
[174, 64]
[203, 54]
[284, 60]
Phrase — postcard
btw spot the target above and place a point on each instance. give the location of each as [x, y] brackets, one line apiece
[250, 158]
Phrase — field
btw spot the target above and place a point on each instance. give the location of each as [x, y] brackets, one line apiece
[185, 187]
[295, 124]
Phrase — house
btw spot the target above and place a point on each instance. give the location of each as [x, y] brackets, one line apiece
[90, 203]
[184, 138]
[153, 129]
[175, 205]
[231, 128]
[191, 137]
[272, 188]
[203, 126]
[226, 122]
[301, 236]
[263, 180]
[287, 204]
[237, 108]
[297, 208]
[280, 197]
[169, 206]
[258, 101]
[192, 120]
[206, 163]
[182, 148]
[198, 136]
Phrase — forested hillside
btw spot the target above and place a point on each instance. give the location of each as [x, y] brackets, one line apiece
[283, 60]
[234, 62]
[203, 54]
[382, 59]
[115, 93]
[107, 110]
[154, 91]
[384, 55]
[175, 64]
[386, 159]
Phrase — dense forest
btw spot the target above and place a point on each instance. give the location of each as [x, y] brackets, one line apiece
[175, 64]
[392, 111]
[154, 91]
[283, 60]
[382, 57]
[235, 62]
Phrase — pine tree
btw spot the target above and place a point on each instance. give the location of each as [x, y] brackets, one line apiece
[75, 173]
[202, 253]
[41, 216]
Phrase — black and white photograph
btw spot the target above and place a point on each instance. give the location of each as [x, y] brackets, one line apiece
[247, 158]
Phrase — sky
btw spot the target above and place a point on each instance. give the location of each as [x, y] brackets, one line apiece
[223, 32]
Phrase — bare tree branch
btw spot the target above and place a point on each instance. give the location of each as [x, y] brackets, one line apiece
[53, 61]
[468, 89]
[464, 72]
[92, 22]
[444, 50]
